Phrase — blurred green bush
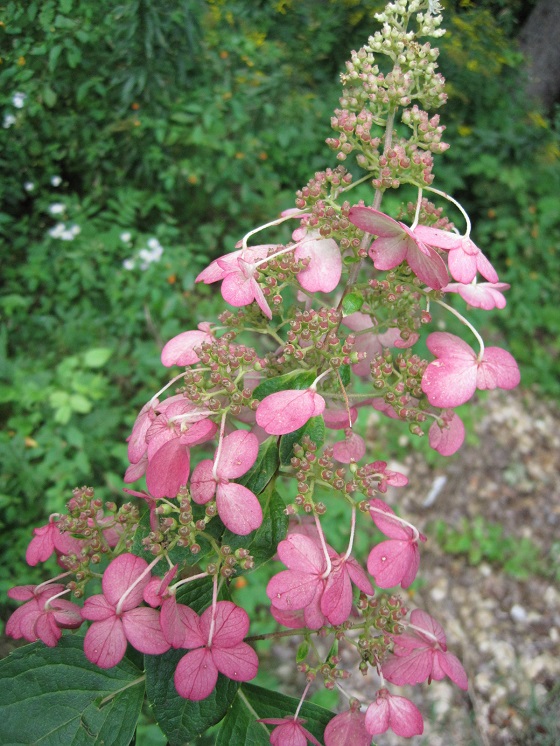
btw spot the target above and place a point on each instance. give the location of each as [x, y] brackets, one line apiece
[140, 139]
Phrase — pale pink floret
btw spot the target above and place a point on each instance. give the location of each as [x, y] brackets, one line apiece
[396, 243]
[325, 263]
[447, 434]
[453, 378]
[465, 259]
[394, 712]
[485, 295]
[421, 654]
[197, 672]
[372, 344]
[48, 539]
[43, 617]
[289, 732]
[237, 506]
[286, 411]
[393, 562]
[117, 617]
[352, 448]
[181, 349]
[348, 728]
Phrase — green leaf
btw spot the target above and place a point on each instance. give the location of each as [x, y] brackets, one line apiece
[80, 404]
[296, 379]
[197, 594]
[180, 719]
[263, 542]
[314, 428]
[53, 696]
[352, 303]
[264, 468]
[254, 702]
[97, 357]
[49, 96]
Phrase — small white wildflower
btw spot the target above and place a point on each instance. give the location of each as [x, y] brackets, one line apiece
[67, 235]
[144, 266]
[154, 244]
[125, 237]
[57, 208]
[18, 99]
[29, 186]
[56, 181]
[75, 229]
[145, 255]
[128, 264]
[57, 230]
[9, 120]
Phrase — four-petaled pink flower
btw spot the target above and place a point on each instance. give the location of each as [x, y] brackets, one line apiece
[446, 435]
[465, 259]
[421, 654]
[286, 411]
[396, 243]
[453, 378]
[348, 728]
[44, 616]
[397, 713]
[323, 594]
[289, 732]
[237, 506]
[396, 561]
[217, 638]
[118, 618]
[48, 539]
[485, 295]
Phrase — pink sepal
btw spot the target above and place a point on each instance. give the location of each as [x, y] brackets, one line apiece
[238, 508]
[196, 675]
[143, 630]
[120, 575]
[105, 643]
[347, 728]
[286, 411]
[397, 713]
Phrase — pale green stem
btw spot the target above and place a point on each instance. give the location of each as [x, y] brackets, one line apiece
[129, 590]
[109, 697]
[213, 619]
[278, 221]
[303, 696]
[219, 451]
[393, 517]
[466, 323]
[188, 580]
[457, 204]
[328, 567]
[352, 532]
[417, 213]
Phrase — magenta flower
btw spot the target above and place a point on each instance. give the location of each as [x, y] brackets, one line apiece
[421, 654]
[308, 585]
[453, 378]
[465, 259]
[286, 411]
[181, 349]
[396, 243]
[393, 562]
[348, 728]
[325, 263]
[485, 295]
[44, 616]
[446, 435]
[48, 539]
[289, 732]
[237, 506]
[218, 648]
[394, 712]
[118, 618]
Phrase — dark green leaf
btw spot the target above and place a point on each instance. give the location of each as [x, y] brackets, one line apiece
[264, 467]
[314, 428]
[180, 719]
[53, 696]
[296, 379]
[197, 594]
[263, 542]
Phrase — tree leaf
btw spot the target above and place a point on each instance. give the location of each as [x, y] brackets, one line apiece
[97, 357]
[314, 428]
[263, 542]
[352, 303]
[53, 696]
[296, 379]
[253, 702]
[264, 468]
[180, 719]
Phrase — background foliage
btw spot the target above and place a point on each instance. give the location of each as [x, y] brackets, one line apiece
[141, 139]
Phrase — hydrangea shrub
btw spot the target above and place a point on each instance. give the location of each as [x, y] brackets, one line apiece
[230, 459]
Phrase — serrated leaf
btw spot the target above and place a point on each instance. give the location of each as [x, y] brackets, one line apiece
[80, 404]
[264, 468]
[352, 303]
[53, 696]
[180, 719]
[345, 375]
[314, 428]
[238, 726]
[97, 357]
[197, 594]
[263, 542]
[296, 379]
